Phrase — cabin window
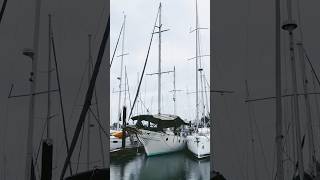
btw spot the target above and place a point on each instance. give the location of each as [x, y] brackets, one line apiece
[166, 139]
[115, 141]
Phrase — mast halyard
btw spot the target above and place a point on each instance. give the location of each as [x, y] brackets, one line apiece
[33, 86]
[290, 26]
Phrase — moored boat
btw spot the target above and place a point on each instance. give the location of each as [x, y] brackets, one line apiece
[159, 134]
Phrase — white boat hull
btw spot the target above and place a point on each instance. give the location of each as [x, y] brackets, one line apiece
[199, 145]
[156, 143]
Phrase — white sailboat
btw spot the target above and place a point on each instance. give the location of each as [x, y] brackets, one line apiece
[199, 141]
[160, 133]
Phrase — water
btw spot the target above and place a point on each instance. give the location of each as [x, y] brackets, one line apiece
[174, 166]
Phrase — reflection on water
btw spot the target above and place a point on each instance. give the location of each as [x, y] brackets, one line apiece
[174, 166]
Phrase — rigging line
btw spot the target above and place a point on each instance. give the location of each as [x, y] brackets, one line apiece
[76, 98]
[128, 88]
[88, 97]
[144, 67]
[312, 68]
[317, 105]
[4, 4]
[255, 170]
[236, 144]
[260, 142]
[60, 96]
[115, 49]
[78, 93]
[98, 121]
[98, 116]
[80, 148]
[99, 21]
[39, 146]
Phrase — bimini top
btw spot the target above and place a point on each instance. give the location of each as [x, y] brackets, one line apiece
[162, 120]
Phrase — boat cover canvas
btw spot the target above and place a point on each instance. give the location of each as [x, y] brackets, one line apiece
[162, 120]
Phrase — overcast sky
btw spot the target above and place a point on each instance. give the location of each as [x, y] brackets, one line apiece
[178, 45]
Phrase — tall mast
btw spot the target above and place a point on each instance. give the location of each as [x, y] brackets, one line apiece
[159, 65]
[197, 96]
[279, 136]
[33, 85]
[290, 26]
[120, 78]
[49, 81]
[89, 115]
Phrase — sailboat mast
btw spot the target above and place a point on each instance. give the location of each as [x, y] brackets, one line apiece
[33, 85]
[159, 64]
[197, 55]
[290, 26]
[121, 68]
[279, 136]
[49, 81]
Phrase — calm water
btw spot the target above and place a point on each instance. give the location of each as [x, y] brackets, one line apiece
[174, 166]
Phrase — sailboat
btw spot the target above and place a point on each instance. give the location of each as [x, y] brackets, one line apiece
[117, 133]
[159, 133]
[199, 141]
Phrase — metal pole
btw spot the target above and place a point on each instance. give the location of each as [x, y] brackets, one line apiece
[33, 85]
[124, 114]
[159, 65]
[290, 26]
[279, 136]
[120, 78]
[49, 81]
[308, 110]
[197, 94]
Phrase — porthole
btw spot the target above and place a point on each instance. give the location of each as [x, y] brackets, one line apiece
[166, 139]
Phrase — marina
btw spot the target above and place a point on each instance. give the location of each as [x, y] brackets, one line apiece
[154, 132]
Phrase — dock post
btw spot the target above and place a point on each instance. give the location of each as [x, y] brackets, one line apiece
[124, 123]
